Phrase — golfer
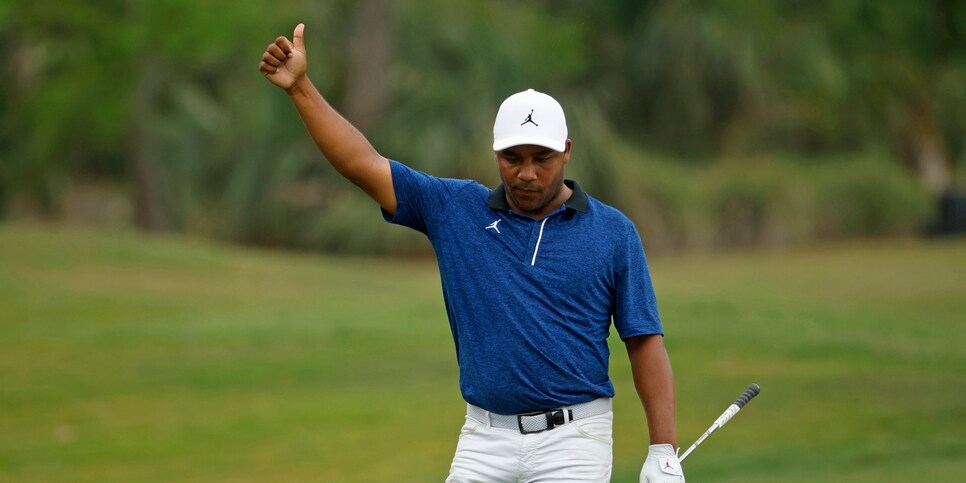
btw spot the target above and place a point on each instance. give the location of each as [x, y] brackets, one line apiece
[533, 272]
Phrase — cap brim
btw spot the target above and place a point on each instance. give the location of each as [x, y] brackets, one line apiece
[501, 144]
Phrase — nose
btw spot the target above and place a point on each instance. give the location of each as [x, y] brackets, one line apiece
[527, 172]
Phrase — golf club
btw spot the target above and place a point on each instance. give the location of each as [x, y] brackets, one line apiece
[746, 396]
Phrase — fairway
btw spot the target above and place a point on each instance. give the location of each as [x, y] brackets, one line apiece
[133, 358]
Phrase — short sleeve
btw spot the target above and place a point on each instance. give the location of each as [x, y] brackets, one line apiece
[419, 197]
[635, 305]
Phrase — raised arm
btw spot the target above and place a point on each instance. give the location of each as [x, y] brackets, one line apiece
[284, 64]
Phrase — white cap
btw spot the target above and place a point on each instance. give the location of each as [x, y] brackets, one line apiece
[530, 117]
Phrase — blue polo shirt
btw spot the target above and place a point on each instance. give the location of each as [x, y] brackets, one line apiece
[530, 302]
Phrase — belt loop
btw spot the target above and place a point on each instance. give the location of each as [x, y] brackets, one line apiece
[489, 421]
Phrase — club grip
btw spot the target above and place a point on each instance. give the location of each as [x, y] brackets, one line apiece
[746, 396]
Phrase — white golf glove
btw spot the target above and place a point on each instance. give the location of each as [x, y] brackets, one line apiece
[662, 465]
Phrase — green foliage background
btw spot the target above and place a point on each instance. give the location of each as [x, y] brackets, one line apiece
[695, 116]
[712, 124]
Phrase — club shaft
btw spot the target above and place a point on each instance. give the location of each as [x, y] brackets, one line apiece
[726, 416]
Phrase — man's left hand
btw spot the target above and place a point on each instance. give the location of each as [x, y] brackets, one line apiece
[662, 465]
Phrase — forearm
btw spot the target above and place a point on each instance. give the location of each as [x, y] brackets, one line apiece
[654, 381]
[284, 63]
[349, 152]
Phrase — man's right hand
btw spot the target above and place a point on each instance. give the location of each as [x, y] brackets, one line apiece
[348, 151]
[284, 62]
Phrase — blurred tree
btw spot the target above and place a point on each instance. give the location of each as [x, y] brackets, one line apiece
[162, 96]
[898, 55]
[370, 49]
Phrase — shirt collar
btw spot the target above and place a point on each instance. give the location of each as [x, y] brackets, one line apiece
[578, 200]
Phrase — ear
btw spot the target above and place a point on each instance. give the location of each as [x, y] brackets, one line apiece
[566, 152]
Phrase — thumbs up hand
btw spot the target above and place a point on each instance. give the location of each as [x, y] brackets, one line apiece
[284, 62]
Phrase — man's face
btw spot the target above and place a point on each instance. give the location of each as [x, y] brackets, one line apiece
[533, 177]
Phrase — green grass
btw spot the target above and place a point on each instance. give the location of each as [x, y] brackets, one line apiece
[127, 358]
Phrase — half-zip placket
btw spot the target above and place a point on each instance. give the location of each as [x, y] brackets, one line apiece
[536, 248]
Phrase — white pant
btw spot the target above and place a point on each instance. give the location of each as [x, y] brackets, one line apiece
[581, 450]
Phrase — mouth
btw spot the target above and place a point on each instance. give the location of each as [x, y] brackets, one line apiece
[526, 193]
[525, 190]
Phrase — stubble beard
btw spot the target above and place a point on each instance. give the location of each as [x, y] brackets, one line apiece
[547, 195]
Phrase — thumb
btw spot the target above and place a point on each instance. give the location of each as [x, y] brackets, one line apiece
[298, 37]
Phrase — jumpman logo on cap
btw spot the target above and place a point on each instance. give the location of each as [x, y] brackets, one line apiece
[529, 119]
